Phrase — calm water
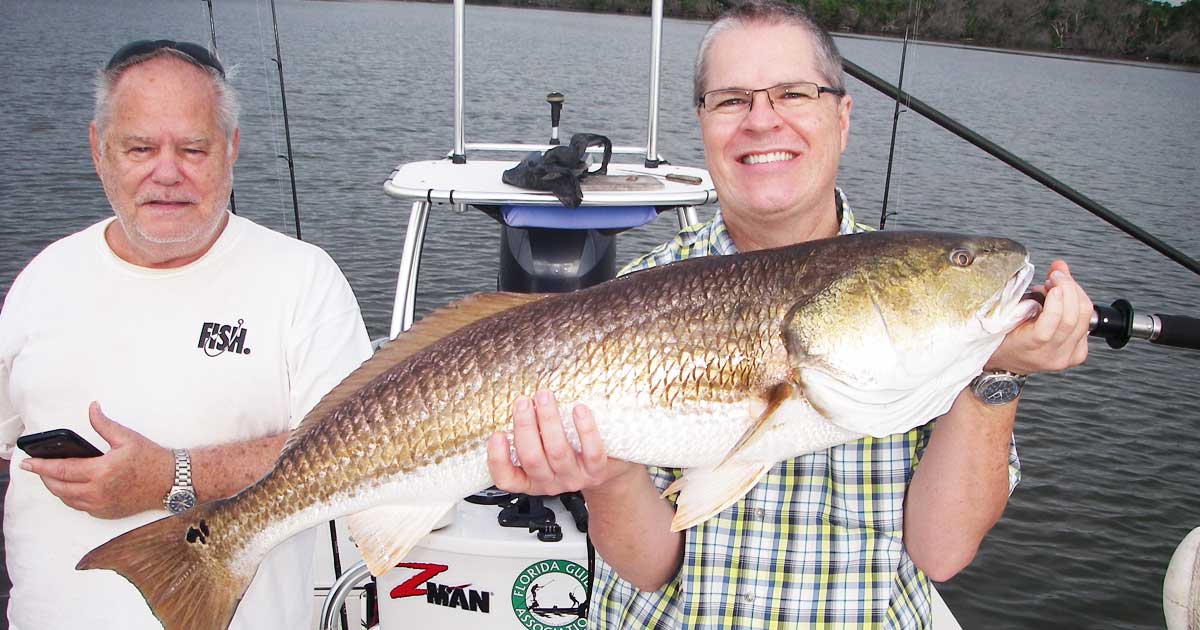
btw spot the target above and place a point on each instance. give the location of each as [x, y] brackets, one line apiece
[1109, 450]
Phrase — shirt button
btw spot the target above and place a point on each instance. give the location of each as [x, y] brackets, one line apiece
[760, 513]
[748, 597]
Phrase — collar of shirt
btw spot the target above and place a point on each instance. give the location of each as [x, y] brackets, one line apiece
[712, 239]
[723, 244]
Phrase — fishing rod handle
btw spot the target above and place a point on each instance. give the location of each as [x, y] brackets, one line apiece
[1178, 331]
[1118, 323]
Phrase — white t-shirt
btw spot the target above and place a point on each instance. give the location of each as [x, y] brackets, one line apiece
[237, 345]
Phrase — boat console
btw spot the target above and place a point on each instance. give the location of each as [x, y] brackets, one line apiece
[501, 561]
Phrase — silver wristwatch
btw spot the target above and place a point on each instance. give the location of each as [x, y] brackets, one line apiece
[182, 496]
[997, 387]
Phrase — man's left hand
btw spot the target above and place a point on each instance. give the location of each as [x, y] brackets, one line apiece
[132, 477]
[1057, 338]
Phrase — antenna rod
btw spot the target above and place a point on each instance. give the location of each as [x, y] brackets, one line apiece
[460, 26]
[287, 128]
[1017, 163]
[656, 19]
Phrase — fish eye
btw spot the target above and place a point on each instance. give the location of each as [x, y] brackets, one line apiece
[962, 258]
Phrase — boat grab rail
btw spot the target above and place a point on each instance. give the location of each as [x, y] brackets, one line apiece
[338, 592]
[513, 147]
[650, 152]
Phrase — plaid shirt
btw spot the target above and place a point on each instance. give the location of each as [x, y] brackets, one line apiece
[818, 543]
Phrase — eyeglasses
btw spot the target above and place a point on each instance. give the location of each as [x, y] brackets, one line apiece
[145, 47]
[783, 97]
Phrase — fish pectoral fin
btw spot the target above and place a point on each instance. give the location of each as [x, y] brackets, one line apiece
[706, 491]
[776, 396]
[676, 487]
[386, 534]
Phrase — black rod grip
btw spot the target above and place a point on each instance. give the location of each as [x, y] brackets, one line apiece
[1179, 331]
[1115, 323]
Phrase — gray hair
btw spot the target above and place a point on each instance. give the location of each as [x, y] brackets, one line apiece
[770, 13]
[227, 101]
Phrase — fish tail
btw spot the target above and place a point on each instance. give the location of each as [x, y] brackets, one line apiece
[176, 564]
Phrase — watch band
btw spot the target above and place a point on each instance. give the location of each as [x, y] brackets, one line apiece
[182, 496]
[984, 373]
[183, 468]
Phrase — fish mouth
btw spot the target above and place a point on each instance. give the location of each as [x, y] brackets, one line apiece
[1009, 307]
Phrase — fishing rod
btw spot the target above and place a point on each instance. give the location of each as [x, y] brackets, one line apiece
[1116, 324]
[1021, 165]
[287, 132]
[287, 128]
[287, 136]
[1119, 323]
[887, 182]
[212, 46]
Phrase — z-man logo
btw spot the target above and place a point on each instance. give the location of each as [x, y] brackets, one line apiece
[216, 338]
[449, 596]
[459, 597]
[425, 572]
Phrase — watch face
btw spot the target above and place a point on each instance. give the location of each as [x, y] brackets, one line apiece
[1001, 390]
[180, 501]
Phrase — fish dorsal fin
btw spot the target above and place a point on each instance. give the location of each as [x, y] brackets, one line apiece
[386, 534]
[439, 324]
[703, 492]
[435, 326]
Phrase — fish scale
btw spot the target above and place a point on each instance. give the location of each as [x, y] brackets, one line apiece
[722, 365]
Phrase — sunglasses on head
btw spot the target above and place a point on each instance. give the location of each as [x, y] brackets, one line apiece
[145, 47]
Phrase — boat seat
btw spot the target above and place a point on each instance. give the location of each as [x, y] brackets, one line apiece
[581, 218]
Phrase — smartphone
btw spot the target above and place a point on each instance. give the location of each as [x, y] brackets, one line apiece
[57, 444]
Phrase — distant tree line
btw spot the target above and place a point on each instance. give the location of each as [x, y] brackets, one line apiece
[1142, 29]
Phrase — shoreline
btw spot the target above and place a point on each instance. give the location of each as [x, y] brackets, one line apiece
[1029, 52]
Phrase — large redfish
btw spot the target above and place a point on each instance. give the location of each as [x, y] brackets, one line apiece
[722, 365]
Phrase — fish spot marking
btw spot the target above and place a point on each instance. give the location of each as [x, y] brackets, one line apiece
[198, 533]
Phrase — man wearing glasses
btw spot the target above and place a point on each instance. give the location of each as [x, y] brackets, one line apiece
[847, 537]
[181, 340]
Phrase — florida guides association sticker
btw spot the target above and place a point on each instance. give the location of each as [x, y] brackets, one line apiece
[551, 594]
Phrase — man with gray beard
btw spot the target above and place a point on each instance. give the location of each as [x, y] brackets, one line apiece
[183, 341]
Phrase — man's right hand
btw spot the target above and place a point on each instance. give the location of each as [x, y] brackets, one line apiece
[549, 465]
[628, 520]
[130, 478]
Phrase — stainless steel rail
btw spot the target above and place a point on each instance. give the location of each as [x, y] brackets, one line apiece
[338, 593]
[656, 19]
[650, 151]
[460, 28]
